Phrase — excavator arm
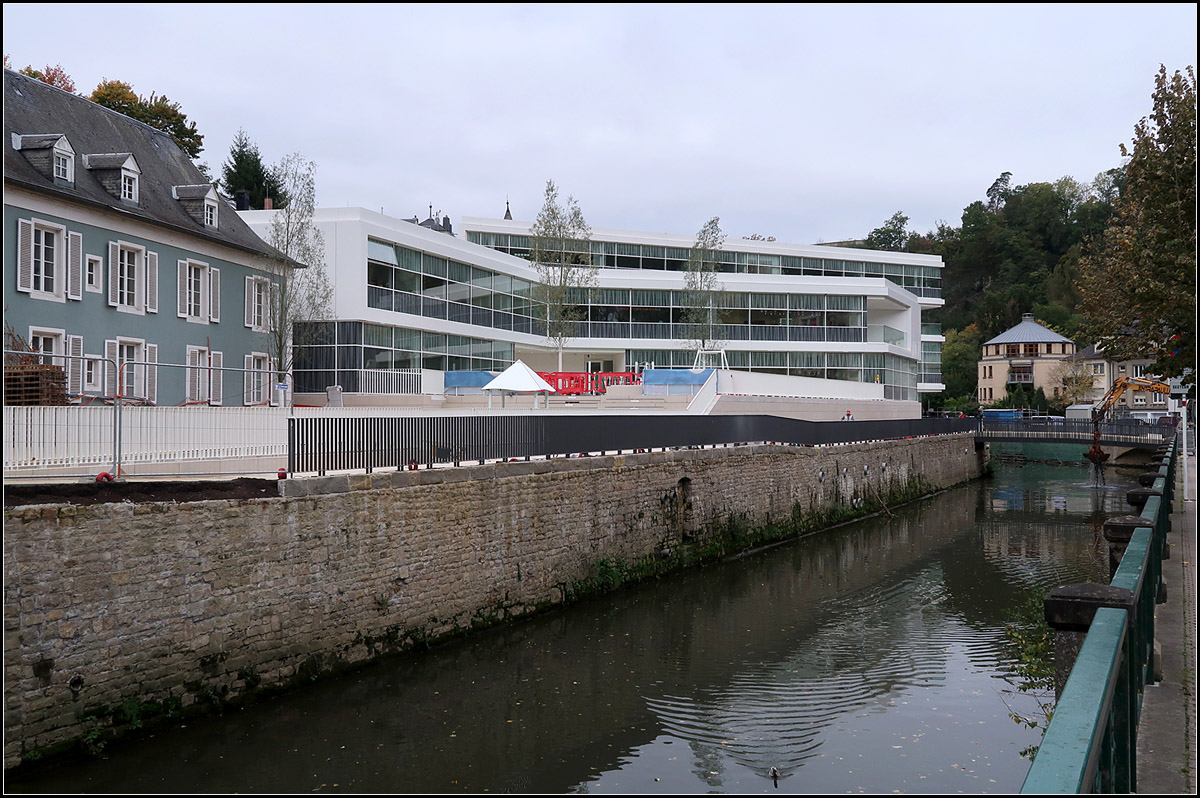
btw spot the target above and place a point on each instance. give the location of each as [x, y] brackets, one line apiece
[1101, 409]
[1123, 384]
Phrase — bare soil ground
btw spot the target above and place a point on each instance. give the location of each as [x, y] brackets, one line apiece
[139, 492]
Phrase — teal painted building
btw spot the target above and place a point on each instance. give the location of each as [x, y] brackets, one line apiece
[117, 250]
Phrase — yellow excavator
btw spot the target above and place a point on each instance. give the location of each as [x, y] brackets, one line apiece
[1102, 408]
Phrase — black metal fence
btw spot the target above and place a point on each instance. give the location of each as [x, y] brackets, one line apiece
[318, 445]
[1124, 433]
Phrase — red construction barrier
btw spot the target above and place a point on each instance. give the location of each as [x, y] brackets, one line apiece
[575, 383]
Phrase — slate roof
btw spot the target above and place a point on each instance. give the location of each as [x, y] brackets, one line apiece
[33, 108]
[1028, 332]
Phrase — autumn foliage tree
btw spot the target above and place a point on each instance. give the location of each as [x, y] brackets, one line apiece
[158, 112]
[54, 75]
[1139, 282]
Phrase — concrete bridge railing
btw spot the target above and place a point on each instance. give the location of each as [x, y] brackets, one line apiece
[1104, 640]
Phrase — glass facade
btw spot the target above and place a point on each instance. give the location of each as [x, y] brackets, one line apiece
[335, 353]
[407, 280]
[925, 281]
[898, 375]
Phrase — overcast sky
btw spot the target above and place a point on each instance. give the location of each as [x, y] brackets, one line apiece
[806, 122]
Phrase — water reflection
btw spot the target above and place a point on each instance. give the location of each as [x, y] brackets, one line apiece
[866, 658]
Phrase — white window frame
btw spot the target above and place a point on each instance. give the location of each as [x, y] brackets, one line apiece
[129, 184]
[198, 387]
[31, 275]
[144, 379]
[1098, 369]
[1139, 370]
[144, 294]
[94, 274]
[210, 213]
[199, 292]
[258, 379]
[93, 374]
[258, 303]
[129, 278]
[204, 382]
[57, 338]
[63, 156]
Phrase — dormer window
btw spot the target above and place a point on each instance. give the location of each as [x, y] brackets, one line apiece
[51, 154]
[129, 185]
[201, 202]
[118, 172]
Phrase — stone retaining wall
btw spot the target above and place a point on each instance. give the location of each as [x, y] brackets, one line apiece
[116, 611]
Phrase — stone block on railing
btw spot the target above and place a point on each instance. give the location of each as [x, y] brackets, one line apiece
[1069, 611]
[1118, 531]
[1137, 497]
[1146, 480]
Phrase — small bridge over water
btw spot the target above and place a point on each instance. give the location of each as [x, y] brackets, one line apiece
[1125, 434]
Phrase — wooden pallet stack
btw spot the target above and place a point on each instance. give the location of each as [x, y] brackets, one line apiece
[35, 384]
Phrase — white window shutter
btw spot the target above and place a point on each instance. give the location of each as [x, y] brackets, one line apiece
[114, 268]
[75, 366]
[110, 368]
[25, 255]
[182, 309]
[75, 266]
[214, 388]
[152, 374]
[214, 294]
[248, 379]
[270, 395]
[273, 309]
[193, 373]
[152, 282]
[249, 301]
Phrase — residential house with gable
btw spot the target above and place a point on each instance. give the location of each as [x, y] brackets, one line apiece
[1027, 355]
[118, 250]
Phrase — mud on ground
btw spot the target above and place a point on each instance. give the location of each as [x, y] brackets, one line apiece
[140, 491]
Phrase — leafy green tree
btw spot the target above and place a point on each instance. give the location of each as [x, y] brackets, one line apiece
[158, 112]
[702, 294]
[1139, 283]
[245, 171]
[960, 361]
[560, 252]
[891, 236]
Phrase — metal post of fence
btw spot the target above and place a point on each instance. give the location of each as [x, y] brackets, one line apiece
[116, 467]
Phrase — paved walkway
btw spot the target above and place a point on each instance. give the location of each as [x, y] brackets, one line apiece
[1167, 735]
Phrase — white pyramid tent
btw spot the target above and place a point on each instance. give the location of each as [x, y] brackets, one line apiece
[517, 378]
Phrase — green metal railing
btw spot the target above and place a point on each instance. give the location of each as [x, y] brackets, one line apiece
[1091, 742]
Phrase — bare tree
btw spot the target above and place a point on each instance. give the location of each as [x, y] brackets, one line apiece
[302, 289]
[1076, 381]
[559, 249]
[703, 295]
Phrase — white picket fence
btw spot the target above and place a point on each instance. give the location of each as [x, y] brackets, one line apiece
[81, 438]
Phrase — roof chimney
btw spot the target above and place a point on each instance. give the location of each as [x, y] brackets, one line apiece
[242, 199]
[446, 225]
[268, 204]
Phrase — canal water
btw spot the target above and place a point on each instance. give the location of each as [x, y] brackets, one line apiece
[869, 658]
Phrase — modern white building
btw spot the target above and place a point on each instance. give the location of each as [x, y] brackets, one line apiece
[408, 296]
